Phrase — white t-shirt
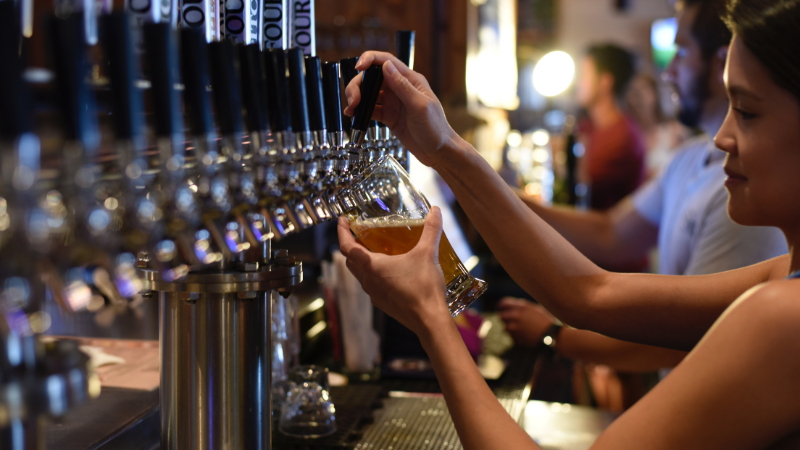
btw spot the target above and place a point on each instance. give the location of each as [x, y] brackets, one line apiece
[688, 203]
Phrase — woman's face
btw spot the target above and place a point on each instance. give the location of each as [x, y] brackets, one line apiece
[761, 135]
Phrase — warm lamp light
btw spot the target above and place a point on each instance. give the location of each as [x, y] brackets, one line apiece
[553, 73]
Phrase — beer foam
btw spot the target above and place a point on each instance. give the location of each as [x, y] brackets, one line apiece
[386, 222]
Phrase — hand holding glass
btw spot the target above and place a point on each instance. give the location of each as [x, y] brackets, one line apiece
[388, 218]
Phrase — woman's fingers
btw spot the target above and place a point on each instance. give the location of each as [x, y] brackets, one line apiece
[400, 84]
[350, 248]
[373, 58]
[432, 233]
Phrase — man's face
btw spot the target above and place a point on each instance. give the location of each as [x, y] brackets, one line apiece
[688, 71]
[588, 83]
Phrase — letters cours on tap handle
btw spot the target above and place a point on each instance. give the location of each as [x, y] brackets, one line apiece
[273, 25]
[302, 26]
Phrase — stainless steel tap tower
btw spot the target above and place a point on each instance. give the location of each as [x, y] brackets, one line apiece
[185, 213]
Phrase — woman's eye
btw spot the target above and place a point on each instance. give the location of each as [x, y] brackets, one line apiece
[744, 114]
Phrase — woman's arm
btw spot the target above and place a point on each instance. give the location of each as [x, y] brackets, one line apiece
[737, 389]
[527, 323]
[410, 288]
[664, 311]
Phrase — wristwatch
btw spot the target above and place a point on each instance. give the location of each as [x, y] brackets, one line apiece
[550, 336]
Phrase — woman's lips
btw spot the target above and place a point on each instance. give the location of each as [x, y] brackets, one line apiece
[734, 178]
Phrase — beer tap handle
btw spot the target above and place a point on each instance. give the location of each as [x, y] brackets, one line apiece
[405, 47]
[253, 85]
[127, 109]
[16, 116]
[370, 89]
[225, 88]
[333, 96]
[162, 57]
[78, 117]
[277, 90]
[348, 72]
[194, 65]
[348, 66]
[297, 87]
[316, 104]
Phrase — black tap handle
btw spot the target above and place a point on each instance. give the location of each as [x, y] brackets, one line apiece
[348, 67]
[348, 70]
[127, 108]
[280, 117]
[405, 47]
[371, 84]
[316, 104]
[161, 48]
[253, 85]
[297, 87]
[194, 65]
[225, 87]
[78, 115]
[333, 95]
[15, 107]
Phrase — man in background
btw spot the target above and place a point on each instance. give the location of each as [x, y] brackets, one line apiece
[613, 164]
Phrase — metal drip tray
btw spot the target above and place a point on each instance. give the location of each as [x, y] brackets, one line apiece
[407, 423]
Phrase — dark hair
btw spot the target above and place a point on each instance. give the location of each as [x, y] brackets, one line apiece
[615, 60]
[708, 28]
[771, 30]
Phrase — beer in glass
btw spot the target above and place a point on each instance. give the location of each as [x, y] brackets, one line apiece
[388, 218]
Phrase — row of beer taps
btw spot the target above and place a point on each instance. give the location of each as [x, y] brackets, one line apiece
[264, 153]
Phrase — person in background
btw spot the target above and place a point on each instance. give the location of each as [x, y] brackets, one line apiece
[738, 388]
[682, 210]
[662, 134]
[613, 164]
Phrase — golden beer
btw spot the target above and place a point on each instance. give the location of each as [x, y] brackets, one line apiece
[396, 236]
[387, 214]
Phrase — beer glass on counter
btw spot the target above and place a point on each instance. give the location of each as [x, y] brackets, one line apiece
[388, 218]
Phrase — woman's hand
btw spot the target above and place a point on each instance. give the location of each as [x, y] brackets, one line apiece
[407, 105]
[525, 321]
[408, 287]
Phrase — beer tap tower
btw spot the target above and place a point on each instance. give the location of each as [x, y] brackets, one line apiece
[188, 218]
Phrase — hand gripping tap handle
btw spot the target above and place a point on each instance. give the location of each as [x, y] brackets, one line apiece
[280, 117]
[333, 96]
[127, 106]
[316, 103]
[225, 87]
[253, 87]
[405, 47]
[161, 48]
[370, 89]
[194, 65]
[16, 117]
[297, 88]
[77, 104]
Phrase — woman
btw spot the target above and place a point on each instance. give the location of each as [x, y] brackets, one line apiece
[739, 386]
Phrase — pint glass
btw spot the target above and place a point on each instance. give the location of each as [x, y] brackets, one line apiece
[387, 217]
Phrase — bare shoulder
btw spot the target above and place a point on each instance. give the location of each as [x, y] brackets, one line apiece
[770, 310]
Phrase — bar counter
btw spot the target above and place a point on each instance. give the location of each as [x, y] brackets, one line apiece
[390, 413]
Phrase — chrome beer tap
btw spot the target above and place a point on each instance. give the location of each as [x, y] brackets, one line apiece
[280, 188]
[305, 157]
[264, 153]
[322, 149]
[171, 205]
[336, 136]
[238, 165]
